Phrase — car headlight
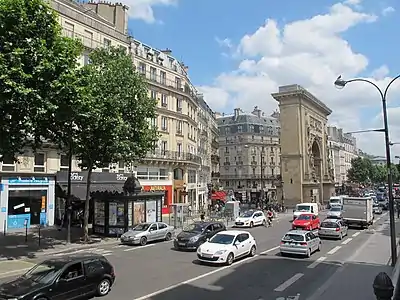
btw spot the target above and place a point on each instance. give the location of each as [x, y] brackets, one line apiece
[199, 250]
[193, 239]
[220, 252]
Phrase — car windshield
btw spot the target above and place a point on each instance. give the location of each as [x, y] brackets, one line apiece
[329, 225]
[303, 208]
[334, 201]
[195, 227]
[247, 214]
[44, 272]
[293, 237]
[142, 227]
[304, 217]
[335, 209]
[224, 239]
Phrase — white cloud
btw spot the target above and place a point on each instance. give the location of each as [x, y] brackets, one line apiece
[312, 53]
[224, 42]
[388, 10]
[143, 9]
[353, 2]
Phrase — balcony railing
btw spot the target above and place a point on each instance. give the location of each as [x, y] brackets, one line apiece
[173, 156]
[87, 41]
[250, 176]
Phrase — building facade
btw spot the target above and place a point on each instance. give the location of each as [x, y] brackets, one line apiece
[249, 147]
[343, 148]
[182, 159]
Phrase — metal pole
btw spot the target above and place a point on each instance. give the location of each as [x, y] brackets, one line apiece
[68, 202]
[390, 183]
[261, 176]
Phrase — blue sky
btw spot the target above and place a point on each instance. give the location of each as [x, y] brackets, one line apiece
[237, 58]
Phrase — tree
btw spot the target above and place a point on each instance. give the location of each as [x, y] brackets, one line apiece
[116, 113]
[360, 171]
[35, 61]
[378, 174]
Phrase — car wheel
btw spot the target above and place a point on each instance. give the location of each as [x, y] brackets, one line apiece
[251, 224]
[168, 237]
[264, 223]
[252, 251]
[309, 253]
[104, 287]
[319, 247]
[143, 241]
[229, 259]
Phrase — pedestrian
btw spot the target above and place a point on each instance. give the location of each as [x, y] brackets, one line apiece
[202, 216]
[190, 210]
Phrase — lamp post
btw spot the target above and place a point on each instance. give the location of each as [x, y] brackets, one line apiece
[340, 83]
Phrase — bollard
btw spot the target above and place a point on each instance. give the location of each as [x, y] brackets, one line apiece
[5, 228]
[40, 237]
[383, 287]
[26, 230]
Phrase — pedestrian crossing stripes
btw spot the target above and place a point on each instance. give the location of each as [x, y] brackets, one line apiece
[100, 251]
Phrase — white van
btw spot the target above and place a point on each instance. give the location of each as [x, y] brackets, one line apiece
[305, 208]
[336, 201]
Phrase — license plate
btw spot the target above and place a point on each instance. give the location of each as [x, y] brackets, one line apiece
[181, 244]
[206, 255]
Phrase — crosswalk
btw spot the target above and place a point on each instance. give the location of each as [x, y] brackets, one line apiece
[101, 251]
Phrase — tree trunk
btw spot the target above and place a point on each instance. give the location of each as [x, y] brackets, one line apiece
[87, 206]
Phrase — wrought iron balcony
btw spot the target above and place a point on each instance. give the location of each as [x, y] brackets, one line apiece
[173, 156]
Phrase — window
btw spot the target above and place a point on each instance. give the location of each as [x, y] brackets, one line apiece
[142, 68]
[153, 227]
[179, 127]
[8, 164]
[191, 176]
[107, 43]
[39, 165]
[162, 225]
[164, 147]
[153, 74]
[178, 83]
[153, 94]
[164, 101]
[121, 166]
[64, 162]
[178, 104]
[163, 77]
[239, 128]
[72, 272]
[164, 123]
[93, 266]
[86, 59]
[88, 39]
[180, 148]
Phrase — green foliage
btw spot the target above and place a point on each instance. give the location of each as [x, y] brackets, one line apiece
[363, 171]
[114, 114]
[36, 71]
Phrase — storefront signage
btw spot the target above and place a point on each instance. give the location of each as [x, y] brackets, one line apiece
[1, 187]
[121, 177]
[76, 177]
[30, 180]
[156, 188]
[4, 209]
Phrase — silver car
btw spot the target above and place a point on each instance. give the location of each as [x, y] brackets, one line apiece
[300, 242]
[148, 232]
[333, 228]
[335, 212]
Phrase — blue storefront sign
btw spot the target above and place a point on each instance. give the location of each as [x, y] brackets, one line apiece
[4, 209]
[18, 221]
[29, 180]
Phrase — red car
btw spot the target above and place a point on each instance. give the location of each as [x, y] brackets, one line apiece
[306, 222]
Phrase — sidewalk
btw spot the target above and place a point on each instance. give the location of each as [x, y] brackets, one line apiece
[354, 279]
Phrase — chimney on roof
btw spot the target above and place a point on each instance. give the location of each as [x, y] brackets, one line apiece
[236, 113]
[257, 111]
[185, 67]
[167, 51]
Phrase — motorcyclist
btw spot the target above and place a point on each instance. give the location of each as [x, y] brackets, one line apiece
[270, 216]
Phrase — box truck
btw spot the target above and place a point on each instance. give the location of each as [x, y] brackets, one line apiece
[358, 211]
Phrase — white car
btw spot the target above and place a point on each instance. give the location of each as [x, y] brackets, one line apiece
[227, 246]
[300, 242]
[251, 218]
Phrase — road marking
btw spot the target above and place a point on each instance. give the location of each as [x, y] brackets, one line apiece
[107, 254]
[171, 287]
[69, 253]
[345, 242]
[355, 234]
[119, 246]
[334, 250]
[317, 262]
[139, 247]
[288, 282]
[13, 272]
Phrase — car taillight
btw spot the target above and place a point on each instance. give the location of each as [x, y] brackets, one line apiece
[338, 229]
[282, 242]
[303, 244]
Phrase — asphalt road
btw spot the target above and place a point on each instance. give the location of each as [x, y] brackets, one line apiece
[156, 271]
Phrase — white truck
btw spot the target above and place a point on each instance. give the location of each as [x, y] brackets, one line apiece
[358, 211]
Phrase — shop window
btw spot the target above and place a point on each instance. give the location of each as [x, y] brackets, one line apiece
[39, 163]
[116, 214]
[27, 204]
[64, 162]
[8, 164]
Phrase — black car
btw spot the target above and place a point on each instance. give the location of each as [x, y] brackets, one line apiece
[67, 277]
[196, 234]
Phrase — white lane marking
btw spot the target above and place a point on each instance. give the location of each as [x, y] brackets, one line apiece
[345, 242]
[139, 247]
[334, 250]
[107, 254]
[68, 253]
[14, 272]
[288, 282]
[171, 287]
[316, 263]
[355, 234]
[120, 246]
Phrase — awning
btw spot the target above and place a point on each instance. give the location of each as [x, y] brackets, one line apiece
[218, 195]
[79, 190]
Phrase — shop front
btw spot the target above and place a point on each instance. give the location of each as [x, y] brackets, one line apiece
[167, 189]
[115, 214]
[26, 201]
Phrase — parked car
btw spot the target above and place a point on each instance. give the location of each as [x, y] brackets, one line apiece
[306, 222]
[300, 242]
[196, 234]
[332, 228]
[148, 232]
[251, 218]
[62, 278]
[377, 209]
[335, 212]
[227, 246]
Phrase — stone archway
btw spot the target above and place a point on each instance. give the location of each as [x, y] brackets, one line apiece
[305, 164]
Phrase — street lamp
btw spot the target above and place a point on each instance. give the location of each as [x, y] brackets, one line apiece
[340, 84]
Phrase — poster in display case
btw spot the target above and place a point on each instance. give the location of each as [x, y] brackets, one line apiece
[99, 213]
[139, 213]
[151, 213]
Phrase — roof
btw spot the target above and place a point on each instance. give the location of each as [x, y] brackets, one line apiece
[248, 119]
[332, 220]
[63, 260]
[299, 232]
[234, 232]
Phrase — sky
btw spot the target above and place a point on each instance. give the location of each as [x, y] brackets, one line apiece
[239, 52]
